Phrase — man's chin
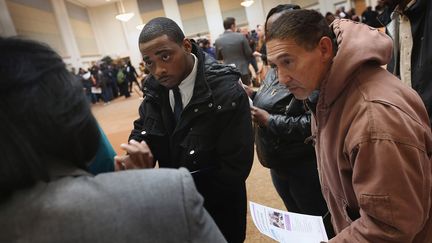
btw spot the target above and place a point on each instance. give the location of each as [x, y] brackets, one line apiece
[169, 84]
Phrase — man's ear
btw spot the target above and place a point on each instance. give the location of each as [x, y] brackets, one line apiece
[325, 47]
[187, 45]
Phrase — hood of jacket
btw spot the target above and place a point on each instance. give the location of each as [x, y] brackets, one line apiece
[357, 44]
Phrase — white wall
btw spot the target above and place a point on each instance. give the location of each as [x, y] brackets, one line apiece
[193, 17]
[172, 11]
[214, 19]
[255, 14]
[131, 33]
[108, 30]
[269, 4]
[7, 27]
[82, 29]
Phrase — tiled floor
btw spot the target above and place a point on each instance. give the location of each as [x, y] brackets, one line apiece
[117, 119]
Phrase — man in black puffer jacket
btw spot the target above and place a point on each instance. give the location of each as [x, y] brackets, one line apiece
[207, 128]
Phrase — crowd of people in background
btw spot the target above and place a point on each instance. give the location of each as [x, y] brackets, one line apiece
[369, 16]
[108, 79]
[255, 38]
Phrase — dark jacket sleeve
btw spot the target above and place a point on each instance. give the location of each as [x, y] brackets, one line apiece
[235, 143]
[138, 124]
[292, 126]
[246, 48]
[218, 51]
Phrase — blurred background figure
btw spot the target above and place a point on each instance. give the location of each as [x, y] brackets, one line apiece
[370, 17]
[207, 48]
[131, 76]
[353, 15]
[409, 24]
[233, 48]
[329, 17]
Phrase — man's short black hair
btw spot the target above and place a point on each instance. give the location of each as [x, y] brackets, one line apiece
[228, 22]
[281, 8]
[306, 27]
[161, 26]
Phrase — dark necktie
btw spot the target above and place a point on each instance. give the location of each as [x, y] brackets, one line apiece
[178, 104]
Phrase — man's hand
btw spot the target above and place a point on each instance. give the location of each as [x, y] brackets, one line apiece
[138, 156]
[260, 116]
[249, 90]
[257, 54]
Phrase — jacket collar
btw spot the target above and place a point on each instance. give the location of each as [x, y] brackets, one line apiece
[202, 91]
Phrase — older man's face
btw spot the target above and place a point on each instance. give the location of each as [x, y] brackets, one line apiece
[300, 70]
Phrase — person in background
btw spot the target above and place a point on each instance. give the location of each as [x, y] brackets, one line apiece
[260, 35]
[131, 75]
[252, 40]
[329, 17]
[111, 74]
[409, 23]
[194, 114]
[281, 133]
[233, 48]
[122, 80]
[48, 137]
[142, 70]
[371, 132]
[370, 17]
[354, 16]
[206, 47]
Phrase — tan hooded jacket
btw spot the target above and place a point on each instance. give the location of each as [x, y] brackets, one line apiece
[373, 144]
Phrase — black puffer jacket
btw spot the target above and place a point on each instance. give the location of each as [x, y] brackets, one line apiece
[214, 130]
[282, 144]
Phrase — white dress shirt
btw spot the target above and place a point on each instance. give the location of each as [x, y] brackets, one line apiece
[186, 86]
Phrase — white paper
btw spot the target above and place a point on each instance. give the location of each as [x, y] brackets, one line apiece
[96, 90]
[288, 227]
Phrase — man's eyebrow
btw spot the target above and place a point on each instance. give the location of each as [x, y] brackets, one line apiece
[162, 51]
[283, 55]
[157, 53]
[277, 57]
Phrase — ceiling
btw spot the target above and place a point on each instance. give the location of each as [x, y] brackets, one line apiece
[93, 3]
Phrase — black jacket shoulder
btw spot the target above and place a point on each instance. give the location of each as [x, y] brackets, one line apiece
[223, 81]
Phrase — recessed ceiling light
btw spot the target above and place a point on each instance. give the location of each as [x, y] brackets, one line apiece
[247, 3]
